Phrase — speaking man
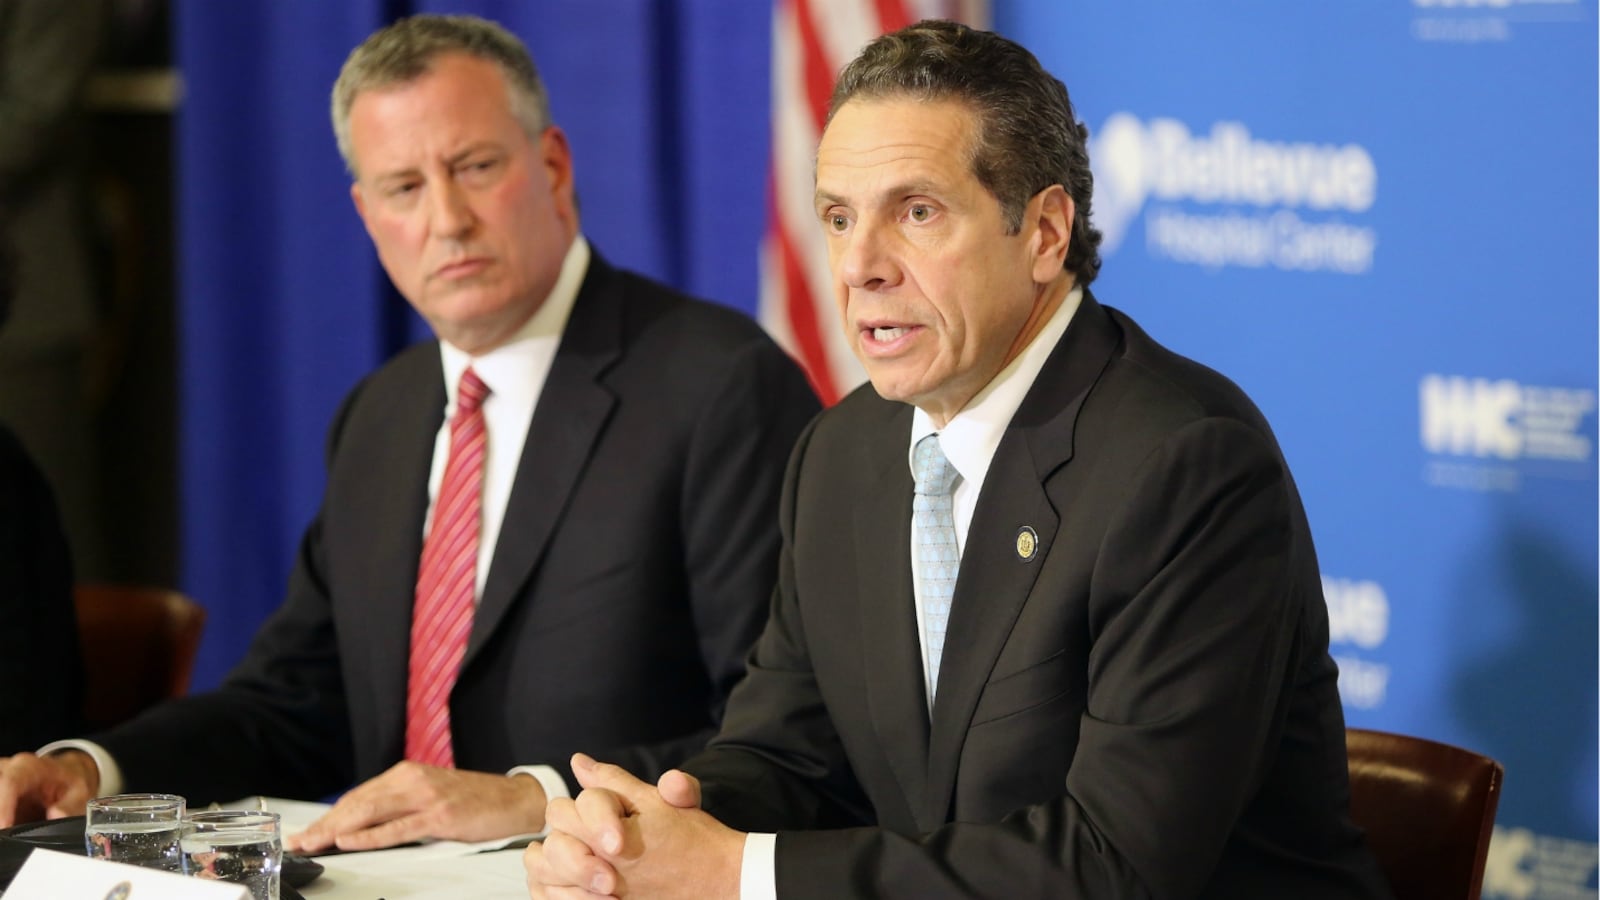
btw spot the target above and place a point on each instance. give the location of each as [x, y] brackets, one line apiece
[1048, 619]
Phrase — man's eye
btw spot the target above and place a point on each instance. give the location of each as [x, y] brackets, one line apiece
[838, 223]
[920, 213]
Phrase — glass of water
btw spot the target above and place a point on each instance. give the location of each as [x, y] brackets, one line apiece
[235, 845]
[141, 829]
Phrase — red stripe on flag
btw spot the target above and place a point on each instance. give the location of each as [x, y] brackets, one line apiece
[892, 15]
[802, 312]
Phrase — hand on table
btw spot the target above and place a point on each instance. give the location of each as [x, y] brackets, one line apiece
[40, 787]
[413, 801]
[622, 837]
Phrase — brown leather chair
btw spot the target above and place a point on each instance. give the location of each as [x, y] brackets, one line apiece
[1428, 809]
[139, 645]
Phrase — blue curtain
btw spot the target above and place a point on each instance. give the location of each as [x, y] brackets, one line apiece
[283, 305]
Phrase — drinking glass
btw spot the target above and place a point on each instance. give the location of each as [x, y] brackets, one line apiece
[141, 829]
[239, 846]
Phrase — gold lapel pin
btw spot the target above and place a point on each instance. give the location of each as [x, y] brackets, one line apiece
[1027, 543]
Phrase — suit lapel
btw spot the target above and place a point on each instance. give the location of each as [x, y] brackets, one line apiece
[572, 410]
[405, 456]
[892, 654]
[995, 581]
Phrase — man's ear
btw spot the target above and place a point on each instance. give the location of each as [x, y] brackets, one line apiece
[556, 157]
[360, 201]
[1050, 211]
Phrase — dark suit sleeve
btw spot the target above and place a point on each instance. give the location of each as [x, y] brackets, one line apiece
[1194, 621]
[742, 436]
[38, 624]
[276, 726]
[778, 762]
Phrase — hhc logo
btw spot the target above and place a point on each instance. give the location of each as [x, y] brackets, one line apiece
[1503, 419]
[1525, 865]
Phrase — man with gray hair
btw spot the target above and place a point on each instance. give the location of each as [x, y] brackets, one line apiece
[1048, 621]
[585, 461]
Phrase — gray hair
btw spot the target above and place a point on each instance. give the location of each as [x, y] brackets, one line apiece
[403, 52]
[1028, 136]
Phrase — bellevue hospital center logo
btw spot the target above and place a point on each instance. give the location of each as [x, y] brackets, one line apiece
[1228, 198]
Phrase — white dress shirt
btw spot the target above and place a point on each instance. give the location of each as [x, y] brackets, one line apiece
[969, 440]
[515, 373]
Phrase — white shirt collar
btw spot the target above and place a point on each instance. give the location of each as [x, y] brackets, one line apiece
[515, 373]
[972, 435]
[506, 368]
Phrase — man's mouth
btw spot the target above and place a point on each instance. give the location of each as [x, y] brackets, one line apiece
[461, 267]
[882, 339]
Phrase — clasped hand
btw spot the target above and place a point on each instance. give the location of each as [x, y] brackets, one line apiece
[622, 837]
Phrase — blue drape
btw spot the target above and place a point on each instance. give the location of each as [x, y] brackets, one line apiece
[283, 304]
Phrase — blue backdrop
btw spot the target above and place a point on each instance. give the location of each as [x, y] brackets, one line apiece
[1380, 218]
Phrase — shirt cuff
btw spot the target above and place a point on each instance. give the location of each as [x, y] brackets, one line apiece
[549, 779]
[110, 772]
[758, 873]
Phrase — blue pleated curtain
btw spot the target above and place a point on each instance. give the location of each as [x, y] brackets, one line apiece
[283, 305]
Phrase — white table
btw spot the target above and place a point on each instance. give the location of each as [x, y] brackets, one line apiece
[444, 870]
[369, 876]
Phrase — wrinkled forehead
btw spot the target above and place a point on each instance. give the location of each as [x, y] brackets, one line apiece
[455, 104]
[907, 134]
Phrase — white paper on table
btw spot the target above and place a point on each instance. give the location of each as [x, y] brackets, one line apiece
[51, 875]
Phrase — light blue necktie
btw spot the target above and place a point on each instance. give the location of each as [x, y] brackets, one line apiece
[934, 525]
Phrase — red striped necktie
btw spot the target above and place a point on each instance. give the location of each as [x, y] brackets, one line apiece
[447, 581]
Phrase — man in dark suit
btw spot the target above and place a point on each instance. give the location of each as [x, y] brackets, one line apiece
[585, 462]
[1049, 621]
[38, 623]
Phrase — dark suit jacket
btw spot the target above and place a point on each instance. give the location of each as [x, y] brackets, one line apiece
[630, 576]
[40, 664]
[1144, 708]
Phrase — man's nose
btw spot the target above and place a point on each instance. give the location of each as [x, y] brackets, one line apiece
[451, 216]
[866, 259]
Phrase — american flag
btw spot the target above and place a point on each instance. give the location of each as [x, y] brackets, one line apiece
[811, 41]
